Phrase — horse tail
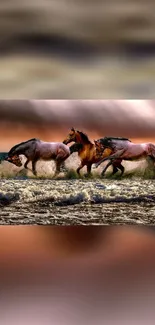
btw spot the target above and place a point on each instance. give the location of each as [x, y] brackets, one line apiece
[76, 147]
[151, 150]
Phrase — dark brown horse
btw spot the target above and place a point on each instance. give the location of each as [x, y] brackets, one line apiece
[88, 154]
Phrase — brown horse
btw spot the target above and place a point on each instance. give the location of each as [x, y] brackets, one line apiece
[88, 154]
[35, 149]
[124, 149]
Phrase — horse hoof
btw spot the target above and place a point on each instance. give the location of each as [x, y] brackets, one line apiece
[87, 175]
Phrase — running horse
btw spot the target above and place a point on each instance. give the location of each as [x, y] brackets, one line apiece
[124, 149]
[87, 152]
[36, 149]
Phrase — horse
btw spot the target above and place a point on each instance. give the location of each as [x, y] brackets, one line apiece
[87, 153]
[36, 149]
[124, 149]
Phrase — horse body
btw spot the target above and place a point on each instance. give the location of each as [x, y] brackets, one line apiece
[138, 151]
[126, 150]
[36, 149]
[88, 154]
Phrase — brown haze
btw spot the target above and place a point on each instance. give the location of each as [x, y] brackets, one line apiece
[50, 120]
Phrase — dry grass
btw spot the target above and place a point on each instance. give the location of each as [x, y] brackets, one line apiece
[46, 170]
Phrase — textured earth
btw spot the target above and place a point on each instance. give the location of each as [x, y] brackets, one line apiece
[76, 202]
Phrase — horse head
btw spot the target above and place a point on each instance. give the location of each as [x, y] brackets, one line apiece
[14, 160]
[71, 136]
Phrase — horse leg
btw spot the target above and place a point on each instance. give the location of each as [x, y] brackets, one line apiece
[117, 165]
[88, 170]
[150, 161]
[121, 167]
[26, 163]
[114, 156]
[58, 165]
[60, 162]
[34, 167]
[106, 167]
[63, 166]
[80, 167]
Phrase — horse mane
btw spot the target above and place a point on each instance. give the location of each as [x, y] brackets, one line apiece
[21, 143]
[116, 138]
[84, 137]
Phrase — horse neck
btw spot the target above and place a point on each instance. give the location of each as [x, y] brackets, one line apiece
[79, 139]
[20, 148]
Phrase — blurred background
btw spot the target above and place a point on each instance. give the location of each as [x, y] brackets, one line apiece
[77, 49]
[77, 275]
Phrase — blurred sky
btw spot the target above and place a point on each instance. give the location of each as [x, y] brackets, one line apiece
[51, 120]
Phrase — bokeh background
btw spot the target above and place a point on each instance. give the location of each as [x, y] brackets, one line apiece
[77, 49]
[77, 275]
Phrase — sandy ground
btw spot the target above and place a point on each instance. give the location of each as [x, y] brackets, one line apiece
[71, 201]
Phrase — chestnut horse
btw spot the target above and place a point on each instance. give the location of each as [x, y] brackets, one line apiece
[87, 153]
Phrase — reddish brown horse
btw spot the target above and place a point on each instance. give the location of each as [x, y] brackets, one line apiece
[88, 154]
[124, 149]
[36, 149]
